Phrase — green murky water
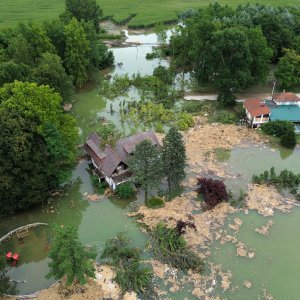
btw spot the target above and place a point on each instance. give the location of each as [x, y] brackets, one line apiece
[275, 266]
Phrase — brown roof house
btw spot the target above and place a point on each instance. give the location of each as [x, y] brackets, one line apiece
[257, 112]
[111, 162]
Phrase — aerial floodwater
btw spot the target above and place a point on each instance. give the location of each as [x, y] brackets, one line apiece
[274, 270]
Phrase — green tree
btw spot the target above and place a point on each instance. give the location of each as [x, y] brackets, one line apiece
[163, 74]
[10, 71]
[29, 43]
[86, 10]
[77, 50]
[69, 258]
[288, 71]
[37, 144]
[173, 158]
[145, 165]
[51, 71]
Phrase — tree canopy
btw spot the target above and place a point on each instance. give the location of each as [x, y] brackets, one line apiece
[232, 48]
[37, 145]
[145, 166]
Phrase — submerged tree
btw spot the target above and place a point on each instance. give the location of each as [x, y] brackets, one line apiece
[173, 158]
[169, 246]
[146, 166]
[69, 258]
[131, 274]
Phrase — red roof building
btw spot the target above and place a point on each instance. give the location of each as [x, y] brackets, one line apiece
[257, 112]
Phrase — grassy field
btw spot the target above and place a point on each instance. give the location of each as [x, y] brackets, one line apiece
[146, 12]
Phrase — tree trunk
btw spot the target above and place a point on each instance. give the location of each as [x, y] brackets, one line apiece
[146, 194]
[169, 184]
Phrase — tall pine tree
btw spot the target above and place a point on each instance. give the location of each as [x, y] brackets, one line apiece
[69, 258]
[145, 166]
[173, 158]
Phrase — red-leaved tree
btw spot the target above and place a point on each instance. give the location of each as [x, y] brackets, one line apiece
[214, 191]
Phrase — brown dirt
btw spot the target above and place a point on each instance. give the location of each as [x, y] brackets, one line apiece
[264, 230]
[267, 199]
[203, 139]
[181, 208]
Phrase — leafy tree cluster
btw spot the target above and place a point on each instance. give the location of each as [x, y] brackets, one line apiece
[232, 48]
[285, 130]
[149, 165]
[61, 53]
[169, 246]
[131, 273]
[69, 258]
[37, 144]
[214, 191]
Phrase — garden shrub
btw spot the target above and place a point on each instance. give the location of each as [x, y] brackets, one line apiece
[214, 191]
[125, 190]
[155, 202]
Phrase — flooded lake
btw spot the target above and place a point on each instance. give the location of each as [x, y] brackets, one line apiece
[276, 264]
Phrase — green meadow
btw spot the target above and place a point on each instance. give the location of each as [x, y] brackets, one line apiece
[144, 12]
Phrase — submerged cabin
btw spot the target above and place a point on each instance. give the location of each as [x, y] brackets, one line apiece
[257, 112]
[110, 163]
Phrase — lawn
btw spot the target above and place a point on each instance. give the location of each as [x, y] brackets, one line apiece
[146, 12]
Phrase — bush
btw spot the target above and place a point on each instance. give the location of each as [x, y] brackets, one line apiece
[288, 140]
[192, 106]
[125, 190]
[284, 130]
[98, 186]
[225, 117]
[214, 191]
[155, 202]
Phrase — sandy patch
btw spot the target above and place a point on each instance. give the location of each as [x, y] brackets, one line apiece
[202, 139]
[264, 230]
[188, 209]
[267, 199]
[92, 197]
